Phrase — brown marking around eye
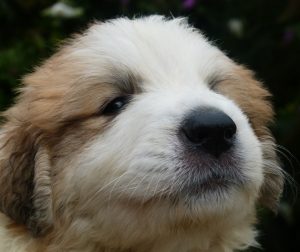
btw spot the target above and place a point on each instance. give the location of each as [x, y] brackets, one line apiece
[50, 109]
[250, 95]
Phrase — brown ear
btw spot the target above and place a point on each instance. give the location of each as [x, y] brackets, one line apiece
[25, 194]
[253, 98]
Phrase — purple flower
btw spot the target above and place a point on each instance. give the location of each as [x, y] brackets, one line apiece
[288, 36]
[189, 4]
[125, 2]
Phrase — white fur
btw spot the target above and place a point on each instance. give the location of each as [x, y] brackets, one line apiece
[175, 63]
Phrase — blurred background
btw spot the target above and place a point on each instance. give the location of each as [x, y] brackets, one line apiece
[262, 34]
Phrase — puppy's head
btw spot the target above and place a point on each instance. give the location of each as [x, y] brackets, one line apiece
[137, 121]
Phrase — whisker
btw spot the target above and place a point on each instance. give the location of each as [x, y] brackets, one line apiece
[148, 188]
[113, 187]
[122, 188]
[96, 193]
[287, 152]
[137, 186]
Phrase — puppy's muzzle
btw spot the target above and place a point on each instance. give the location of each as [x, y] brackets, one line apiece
[209, 130]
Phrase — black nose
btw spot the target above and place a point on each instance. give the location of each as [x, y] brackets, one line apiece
[209, 129]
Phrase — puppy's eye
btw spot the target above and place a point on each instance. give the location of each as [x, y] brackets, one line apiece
[213, 83]
[116, 105]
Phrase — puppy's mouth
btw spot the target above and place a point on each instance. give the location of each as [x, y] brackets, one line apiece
[197, 179]
[201, 174]
[196, 185]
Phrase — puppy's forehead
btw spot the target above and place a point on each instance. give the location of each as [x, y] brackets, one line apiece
[156, 49]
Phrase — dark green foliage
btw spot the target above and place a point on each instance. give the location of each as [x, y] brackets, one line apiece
[262, 34]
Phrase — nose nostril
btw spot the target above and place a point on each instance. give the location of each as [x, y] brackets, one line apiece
[209, 129]
[229, 133]
[193, 135]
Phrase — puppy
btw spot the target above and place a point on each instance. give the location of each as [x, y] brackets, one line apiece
[137, 135]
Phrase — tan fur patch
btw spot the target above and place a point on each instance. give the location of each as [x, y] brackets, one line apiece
[251, 96]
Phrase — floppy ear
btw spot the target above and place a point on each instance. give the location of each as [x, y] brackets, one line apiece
[25, 192]
[260, 111]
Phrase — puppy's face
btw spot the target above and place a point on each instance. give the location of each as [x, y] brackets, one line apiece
[138, 121]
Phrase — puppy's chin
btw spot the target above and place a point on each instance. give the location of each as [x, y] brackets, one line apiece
[202, 174]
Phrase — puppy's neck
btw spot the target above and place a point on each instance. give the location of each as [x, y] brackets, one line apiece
[14, 237]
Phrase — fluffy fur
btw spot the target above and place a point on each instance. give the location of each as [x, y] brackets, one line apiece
[76, 179]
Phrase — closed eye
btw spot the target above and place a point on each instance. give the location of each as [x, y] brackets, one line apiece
[215, 81]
